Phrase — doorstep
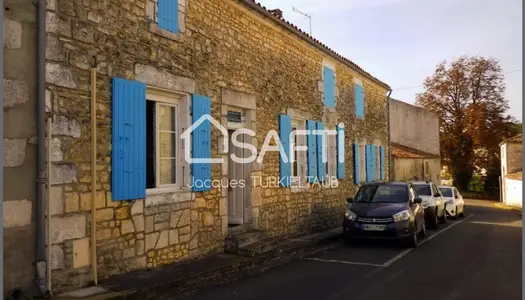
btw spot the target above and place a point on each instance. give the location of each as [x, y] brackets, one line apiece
[182, 276]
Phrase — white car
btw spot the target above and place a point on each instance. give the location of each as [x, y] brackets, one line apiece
[455, 205]
[433, 203]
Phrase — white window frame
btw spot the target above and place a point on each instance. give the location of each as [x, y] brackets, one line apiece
[331, 144]
[301, 177]
[181, 102]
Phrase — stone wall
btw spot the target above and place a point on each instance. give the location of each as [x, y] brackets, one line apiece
[223, 46]
[414, 127]
[19, 42]
[410, 168]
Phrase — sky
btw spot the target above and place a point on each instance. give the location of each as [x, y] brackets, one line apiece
[401, 41]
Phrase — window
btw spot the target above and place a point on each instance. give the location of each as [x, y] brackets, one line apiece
[446, 192]
[423, 189]
[166, 17]
[382, 194]
[331, 148]
[166, 118]
[359, 101]
[298, 158]
[329, 87]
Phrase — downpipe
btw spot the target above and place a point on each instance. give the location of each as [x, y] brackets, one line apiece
[41, 180]
[390, 170]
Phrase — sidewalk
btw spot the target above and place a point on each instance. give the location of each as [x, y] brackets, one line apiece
[508, 207]
[182, 276]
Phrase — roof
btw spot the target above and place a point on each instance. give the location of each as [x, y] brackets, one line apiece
[386, 183]
[518, 139]
[400, 151]
[281, 21]
[515, 176]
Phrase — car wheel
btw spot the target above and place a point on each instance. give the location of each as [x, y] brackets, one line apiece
[443, 218]
[433, 219]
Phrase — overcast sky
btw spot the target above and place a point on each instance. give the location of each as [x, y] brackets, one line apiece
[402, 41]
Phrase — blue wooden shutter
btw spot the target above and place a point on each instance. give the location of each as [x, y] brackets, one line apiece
[285, 168]
[128, 157]
[168, 15]
[381, 163]
[329, 87]
[321, 166]
[340, 152]
[312, 151]
[359, 101]
[368, 166]
[201, 142]
[357, 178]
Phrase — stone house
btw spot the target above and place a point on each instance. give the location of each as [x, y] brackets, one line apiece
[159, 66]
[511, 170]
[414, 137]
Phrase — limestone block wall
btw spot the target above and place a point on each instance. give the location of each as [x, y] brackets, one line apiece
[19, 42]
[222, 46]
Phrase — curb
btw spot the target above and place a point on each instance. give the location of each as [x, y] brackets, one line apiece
[508, 207]
[229, 272]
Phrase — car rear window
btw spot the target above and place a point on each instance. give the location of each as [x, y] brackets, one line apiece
[382, 194]
[446, 192]
[423, 190]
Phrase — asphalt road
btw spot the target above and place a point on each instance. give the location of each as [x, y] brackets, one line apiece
[477, 257]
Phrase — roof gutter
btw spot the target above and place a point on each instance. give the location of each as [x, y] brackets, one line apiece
[256, 7]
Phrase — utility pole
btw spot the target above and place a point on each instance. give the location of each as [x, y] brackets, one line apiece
[306, 15]
[2, 155]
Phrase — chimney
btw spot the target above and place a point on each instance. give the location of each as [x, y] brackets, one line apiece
[277, 12]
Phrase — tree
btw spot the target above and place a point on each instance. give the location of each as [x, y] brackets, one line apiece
[467, 95]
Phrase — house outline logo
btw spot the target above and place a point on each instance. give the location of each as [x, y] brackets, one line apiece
[186, 136]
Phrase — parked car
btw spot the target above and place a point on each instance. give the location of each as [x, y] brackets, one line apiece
[385, 210]
[433, 203]
[455, 205]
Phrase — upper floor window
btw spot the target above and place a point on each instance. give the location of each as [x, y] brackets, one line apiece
[359, 100]
[166, 17]
[329, 89]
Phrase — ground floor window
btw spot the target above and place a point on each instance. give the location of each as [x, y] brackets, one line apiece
[165, 122]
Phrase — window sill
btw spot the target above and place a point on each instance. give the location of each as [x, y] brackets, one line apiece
[153, 27]
[170, 195]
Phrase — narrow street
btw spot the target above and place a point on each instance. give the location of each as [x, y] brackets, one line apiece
[476, 257]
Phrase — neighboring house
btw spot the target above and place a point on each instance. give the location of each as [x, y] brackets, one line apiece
[161, 65]
[414, 134]
[412, 164]
[511, 170]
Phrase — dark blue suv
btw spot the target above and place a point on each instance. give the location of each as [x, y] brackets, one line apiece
[390, 210]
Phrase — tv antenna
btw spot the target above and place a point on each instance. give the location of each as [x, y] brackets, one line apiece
[295, 9]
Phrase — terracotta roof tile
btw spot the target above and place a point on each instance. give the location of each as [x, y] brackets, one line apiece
[401, 151]
[515, 139]
[308, 36]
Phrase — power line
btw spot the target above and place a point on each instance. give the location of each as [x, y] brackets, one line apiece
[417, 86]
